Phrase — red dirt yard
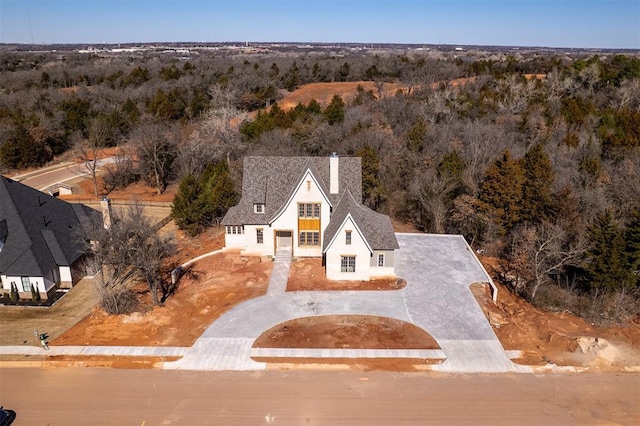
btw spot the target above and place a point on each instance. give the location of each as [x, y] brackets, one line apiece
[221, 281]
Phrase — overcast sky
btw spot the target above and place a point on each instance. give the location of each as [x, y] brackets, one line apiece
[552, 23]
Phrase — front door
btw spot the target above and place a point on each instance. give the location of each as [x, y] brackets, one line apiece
[284, 239]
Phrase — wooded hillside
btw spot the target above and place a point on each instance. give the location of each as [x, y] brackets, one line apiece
[534, 159]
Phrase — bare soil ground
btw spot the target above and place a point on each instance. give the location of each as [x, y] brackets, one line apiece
[558, 337]
[219, 282]
[324, 92]
[213, 286]
[307, 274]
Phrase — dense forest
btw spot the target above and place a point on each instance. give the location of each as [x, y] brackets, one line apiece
[535, 159]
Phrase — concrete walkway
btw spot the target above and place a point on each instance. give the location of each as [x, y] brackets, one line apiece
[438, 269]
[280, 272]
[95, 350]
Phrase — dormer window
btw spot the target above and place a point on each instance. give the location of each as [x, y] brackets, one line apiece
[258, 208]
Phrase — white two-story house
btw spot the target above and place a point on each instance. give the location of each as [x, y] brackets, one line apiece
[311, 207]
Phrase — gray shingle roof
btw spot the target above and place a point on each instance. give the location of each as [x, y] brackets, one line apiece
[40, 230]
[272, 180]
[376, 228]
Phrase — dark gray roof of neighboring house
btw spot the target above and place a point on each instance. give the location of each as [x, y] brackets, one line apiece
[375, 227]
[272, 181]
[41, 230]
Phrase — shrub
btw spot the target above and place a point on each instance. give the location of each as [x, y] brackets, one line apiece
[14, 295]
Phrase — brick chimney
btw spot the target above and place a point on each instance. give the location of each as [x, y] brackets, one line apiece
[334, 174]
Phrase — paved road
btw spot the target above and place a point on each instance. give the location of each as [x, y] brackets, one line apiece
[46, 177]
[80, 396]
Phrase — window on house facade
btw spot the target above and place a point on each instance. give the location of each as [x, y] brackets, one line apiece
[258, 207]
[381, 259]
[309, 238]
[347, 238]
[235, 230]
[260, 236]
[347, 263]
[309, 210]
[308, 224]
[26, 284]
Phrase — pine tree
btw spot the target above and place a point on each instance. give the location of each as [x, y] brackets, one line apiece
[372, 190]
[501, 192]
[334, 113]
[607, 265]
[221, 189]
[416, 135]
[190, 208]
[537, 196]
[632, 245]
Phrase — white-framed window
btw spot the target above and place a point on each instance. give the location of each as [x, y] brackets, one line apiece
[380, 259]
[309, 238]
[260, 236]
[26, 284]
[258, 207]
[235, 230]
[347, 238]
[347, 263]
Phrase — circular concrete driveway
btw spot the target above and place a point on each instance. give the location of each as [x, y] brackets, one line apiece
[438, 270]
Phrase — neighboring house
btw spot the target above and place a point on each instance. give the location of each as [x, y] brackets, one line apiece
[39, 245]
[311, 207]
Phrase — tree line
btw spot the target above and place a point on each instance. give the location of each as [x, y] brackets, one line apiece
[542, 172]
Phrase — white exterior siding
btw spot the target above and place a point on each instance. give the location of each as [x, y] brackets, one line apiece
[65, 274]
[357, 248]
[307, 192]
[44, 285]
[234, 237]
[251, 240]
[388, 269]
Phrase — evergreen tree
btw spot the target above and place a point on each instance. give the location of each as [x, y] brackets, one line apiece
[632, 243]
[452, 167]
[501, 192]
[537, 196]
[416, 135]
[190, 209]
[607, 265]
[372, 190]
[222, 191]
[334, 113]
[35, 294]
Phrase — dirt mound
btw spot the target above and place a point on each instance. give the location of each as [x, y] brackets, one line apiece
[346, 331]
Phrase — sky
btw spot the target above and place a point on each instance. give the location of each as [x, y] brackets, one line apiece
[547, 23]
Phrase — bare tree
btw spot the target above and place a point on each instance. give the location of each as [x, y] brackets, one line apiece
[629, 94]
[157, 149]
[432, 193]
[88, 150]
[128, 250]
[222, 122]
[540, 252]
